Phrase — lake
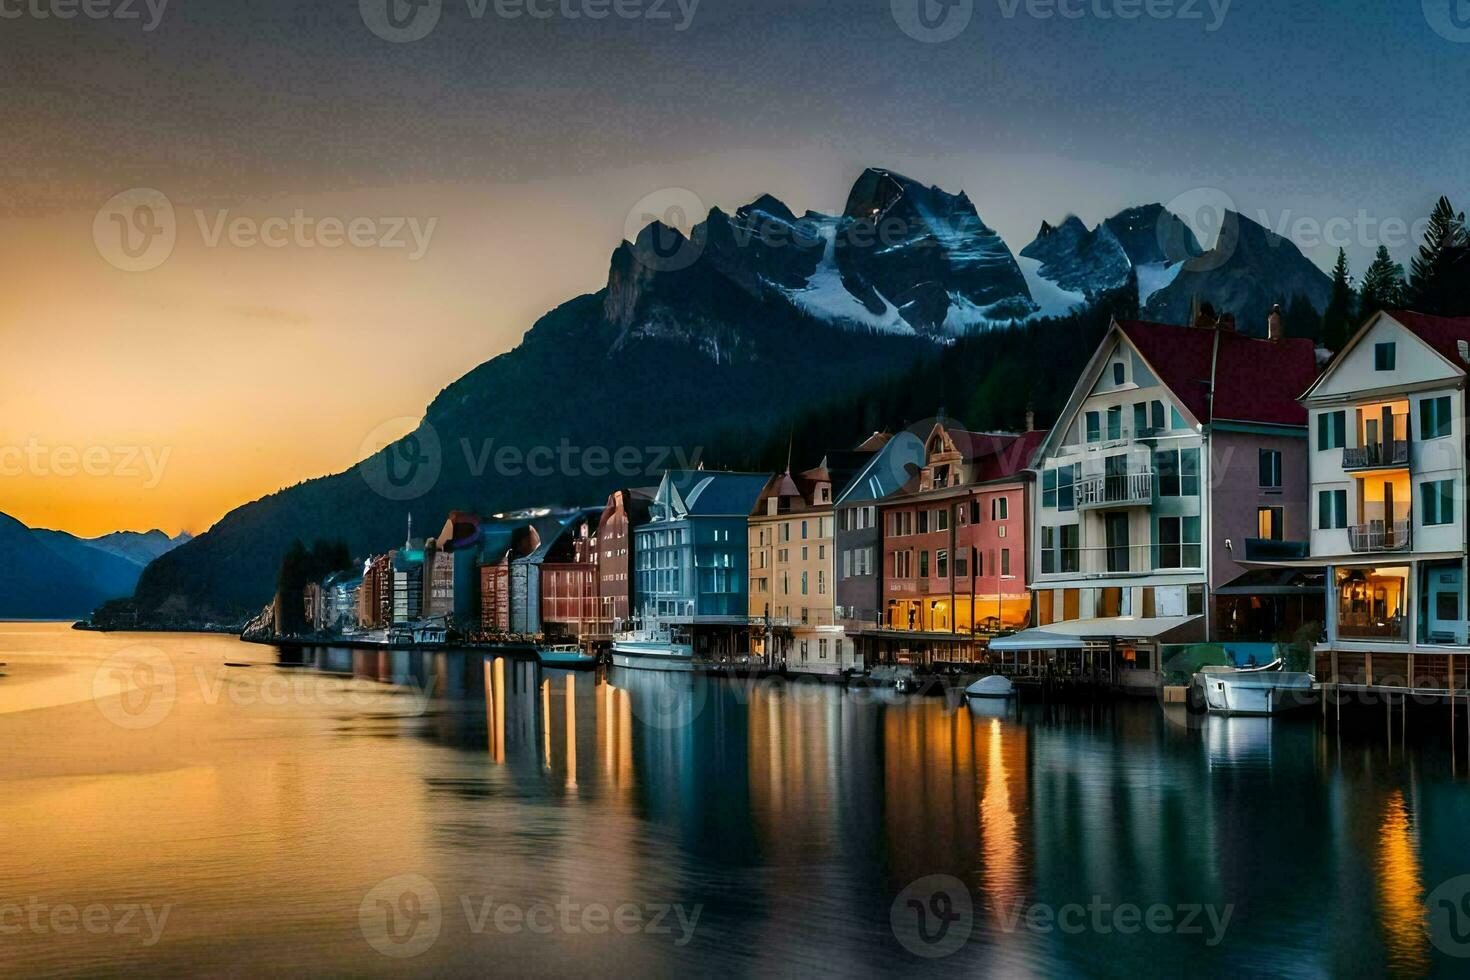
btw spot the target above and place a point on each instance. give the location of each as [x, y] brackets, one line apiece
[178, 803]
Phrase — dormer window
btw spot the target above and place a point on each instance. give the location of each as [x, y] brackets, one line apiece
[1118, 373]
[941, 476]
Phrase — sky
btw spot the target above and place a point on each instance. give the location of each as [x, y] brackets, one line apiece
[348, 210]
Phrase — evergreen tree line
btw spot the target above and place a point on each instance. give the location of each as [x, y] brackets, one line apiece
[1437, 282]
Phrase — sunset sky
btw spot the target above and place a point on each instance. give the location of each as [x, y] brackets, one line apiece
[233, 368]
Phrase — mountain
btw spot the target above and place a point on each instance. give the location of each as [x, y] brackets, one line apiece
[56, 575]
[1248, 270]
[1149, 242]
[140, 547]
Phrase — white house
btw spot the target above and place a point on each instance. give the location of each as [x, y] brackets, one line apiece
[1387, 422]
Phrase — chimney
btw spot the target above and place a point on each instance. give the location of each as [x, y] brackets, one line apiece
[1030, 418]
[1273, 323]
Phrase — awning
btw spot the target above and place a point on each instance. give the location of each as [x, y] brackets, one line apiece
[1036, 640]
[1276, 581]
[1074, 634]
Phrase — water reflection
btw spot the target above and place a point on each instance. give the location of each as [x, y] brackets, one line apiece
[792, 815]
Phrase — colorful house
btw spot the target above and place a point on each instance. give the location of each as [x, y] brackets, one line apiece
[792, 560]
[1388, 481]
[691, 562]
[1179, 453]
[954, 548]
[858, 538]
[626, 509]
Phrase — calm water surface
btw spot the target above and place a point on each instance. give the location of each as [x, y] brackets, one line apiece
[337, 810]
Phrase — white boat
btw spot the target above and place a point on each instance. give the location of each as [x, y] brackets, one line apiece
[656, 647]
[1267, 690]
[991, 687]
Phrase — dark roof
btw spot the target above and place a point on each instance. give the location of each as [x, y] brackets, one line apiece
[1010, 460]
[1255, 380]
[709, 493]
[1444, 333]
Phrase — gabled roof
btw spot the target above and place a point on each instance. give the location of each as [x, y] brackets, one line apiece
[1449, 335]
[886, 471]
[1255, 380]
[706, 493]
[554, 528]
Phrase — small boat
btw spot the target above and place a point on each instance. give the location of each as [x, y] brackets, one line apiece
[993, 687]
[1268, 690]
[566, 655]
[655, 647]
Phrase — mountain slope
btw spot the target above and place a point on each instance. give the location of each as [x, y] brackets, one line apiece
[1248, 270]
[1149, 241]
[54, 575]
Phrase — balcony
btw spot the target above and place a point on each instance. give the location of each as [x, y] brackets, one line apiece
[1379, 536]
[1132, 489]
[1378, 455]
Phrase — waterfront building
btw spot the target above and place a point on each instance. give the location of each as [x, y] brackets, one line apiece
[1179, 457]
[626, 509]
[691, 561]
[954, 548]
[514, 536]
[792, 562]
[568, 580]
[339, 595]
[408, 584]
[858, 538]
[1388, 480]
[462, 538]
[374, 597]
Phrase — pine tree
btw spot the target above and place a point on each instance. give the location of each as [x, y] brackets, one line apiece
[1383, 285]
[1337, 322]
[1434, 284]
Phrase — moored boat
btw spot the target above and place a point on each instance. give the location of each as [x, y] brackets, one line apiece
[1267, 690]
[568, 655]
[993, 687]
[656, 647]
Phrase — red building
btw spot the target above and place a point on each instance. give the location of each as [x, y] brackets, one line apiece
[955, 565]
[569, 602]
[625, 510]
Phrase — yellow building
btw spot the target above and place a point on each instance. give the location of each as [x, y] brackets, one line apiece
[792, 609]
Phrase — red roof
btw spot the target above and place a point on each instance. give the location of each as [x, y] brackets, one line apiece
[1444, 333]
[1255, 380]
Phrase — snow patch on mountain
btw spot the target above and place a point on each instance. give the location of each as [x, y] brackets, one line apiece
[1154, 276]
[1052, 299]
[824, 296]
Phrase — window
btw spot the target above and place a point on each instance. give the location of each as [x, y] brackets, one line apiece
[974, 511]
[962, 563]
[1179, 542]
[1048, 554]
[1005, 562]
[1178, 472]
[1118, 373]
[941, 519]
[923, 522]
[1175, 419]
[1094, 426]
[1000, 509]
[1438, 505]
[1115, 422]
[803, 530]
[1270, 469]
[1049, 488]
[1332, 430]
[803, 583]
[1157, 418]
[821, 582]
[1140, 417]
[847, 564]
[941, 564]
[1434, 418]
[924, 564]
[1069, 552]
[1384, 356]
[803, 649]
[1271, 523]
[822, 649]
[1066, 476]
[1331, 510]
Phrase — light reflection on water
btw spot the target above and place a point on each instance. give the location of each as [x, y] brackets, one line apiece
[790, 816]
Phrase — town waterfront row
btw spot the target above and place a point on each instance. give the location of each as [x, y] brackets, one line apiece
[1199, 486]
